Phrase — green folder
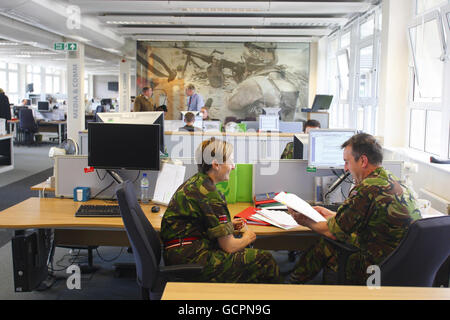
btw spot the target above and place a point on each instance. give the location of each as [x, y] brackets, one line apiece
[239, 187]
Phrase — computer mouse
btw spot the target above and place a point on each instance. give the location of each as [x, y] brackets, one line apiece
[155, 209]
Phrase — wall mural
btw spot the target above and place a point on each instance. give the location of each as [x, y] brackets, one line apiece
[234, 79]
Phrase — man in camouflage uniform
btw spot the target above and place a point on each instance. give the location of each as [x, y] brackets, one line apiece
[197, 228]
[374, 218]
[288, 152]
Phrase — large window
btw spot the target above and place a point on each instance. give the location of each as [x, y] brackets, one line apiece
[34, 77]
[9, 81]
[52, 81]
[353, 58]
[429, 102]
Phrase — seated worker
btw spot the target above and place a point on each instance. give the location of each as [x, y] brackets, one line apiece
[204, 113]
[189, 119]
[197, 227]
[288, 152]
[144, 102]
[374, 218]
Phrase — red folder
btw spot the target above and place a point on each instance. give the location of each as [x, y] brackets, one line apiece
[247, 215]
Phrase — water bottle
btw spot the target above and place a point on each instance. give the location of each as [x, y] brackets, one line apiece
[144, 189]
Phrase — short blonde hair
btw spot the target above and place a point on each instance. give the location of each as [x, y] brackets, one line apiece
[212, 149]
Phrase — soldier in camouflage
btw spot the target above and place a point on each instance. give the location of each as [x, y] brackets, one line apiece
[374, 218]
[288, 152]
[197, 226]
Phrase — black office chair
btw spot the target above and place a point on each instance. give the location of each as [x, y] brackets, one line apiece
[418, 258]
[146, 245]
[27, 126]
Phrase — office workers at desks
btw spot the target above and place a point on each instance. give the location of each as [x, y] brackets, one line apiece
[197, 226]
[144, 101]
[374, 218]
[288, 152]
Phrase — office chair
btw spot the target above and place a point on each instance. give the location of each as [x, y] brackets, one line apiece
[97, 110]
[417, 259]
[27, 126]
[146, 246]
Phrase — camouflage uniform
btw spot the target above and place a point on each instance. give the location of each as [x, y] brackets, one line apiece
[374, 219]
[288, 152]
[198, 209]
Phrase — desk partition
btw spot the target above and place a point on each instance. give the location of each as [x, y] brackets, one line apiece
[70, 173]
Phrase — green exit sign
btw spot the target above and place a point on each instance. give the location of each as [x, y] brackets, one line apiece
[59, 46]
[65, 46]
[71, 46]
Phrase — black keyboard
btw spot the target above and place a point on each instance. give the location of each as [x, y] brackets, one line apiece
[98, 211]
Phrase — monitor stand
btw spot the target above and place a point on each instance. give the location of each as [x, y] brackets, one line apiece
[115, 176]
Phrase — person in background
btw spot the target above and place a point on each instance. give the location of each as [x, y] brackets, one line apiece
[5, 110]
[204, 113]
[189, 119]
[144, 101]
[194, 101]
[163, 108]
[373, 219]
[197, 227]
[288, 152]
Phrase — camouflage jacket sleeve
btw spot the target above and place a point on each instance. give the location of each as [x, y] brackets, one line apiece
[351, 216]
[214, 210]
[288, 152]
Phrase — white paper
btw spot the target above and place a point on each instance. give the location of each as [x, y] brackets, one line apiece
[299, 205]
[170, 178]
[279, 219]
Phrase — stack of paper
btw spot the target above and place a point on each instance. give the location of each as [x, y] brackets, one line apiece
[299, 205]
[276, 218]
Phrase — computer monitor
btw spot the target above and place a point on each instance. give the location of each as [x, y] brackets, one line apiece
[43, 106]
[321, 102]
[29, 88]
[123, 146]
[325, 150]
[301, 143]
[269, 123]
[113, 86]
[149, 117]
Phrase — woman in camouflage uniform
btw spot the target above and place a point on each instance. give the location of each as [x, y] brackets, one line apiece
[197, 226]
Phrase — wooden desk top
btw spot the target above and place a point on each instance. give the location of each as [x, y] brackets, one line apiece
[234, 291]
[60, 213]
[43, 186]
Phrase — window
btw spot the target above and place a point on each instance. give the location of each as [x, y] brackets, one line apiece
[34, 77]
[52, 81]
[9, 80]
[428, 102]
[355, 60]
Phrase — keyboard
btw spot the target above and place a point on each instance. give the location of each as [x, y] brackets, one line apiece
[98, 211]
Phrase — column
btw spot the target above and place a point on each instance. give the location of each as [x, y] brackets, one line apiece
[124, 86]
[75, 92]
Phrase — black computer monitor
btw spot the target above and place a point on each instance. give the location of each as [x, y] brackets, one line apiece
[43, 106]
[29, 88]
[321, 102]
[147, 117]
[123, 146]
[113, 86]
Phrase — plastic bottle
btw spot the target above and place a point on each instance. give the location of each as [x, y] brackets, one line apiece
[145, 189]
[318, 196]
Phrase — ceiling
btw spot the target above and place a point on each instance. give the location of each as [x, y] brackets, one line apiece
[109, 28]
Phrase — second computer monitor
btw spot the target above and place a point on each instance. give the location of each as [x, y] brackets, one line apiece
[325, 150]
[43, 106]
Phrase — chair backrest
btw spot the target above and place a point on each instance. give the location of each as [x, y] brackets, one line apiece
[143, 238]
[26, 119]
[419, 255]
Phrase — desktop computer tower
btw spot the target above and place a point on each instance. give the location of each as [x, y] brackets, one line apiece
[30, 250]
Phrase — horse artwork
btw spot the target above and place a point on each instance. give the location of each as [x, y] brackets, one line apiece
[235, 79]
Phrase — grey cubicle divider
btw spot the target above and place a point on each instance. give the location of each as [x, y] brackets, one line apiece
[69, 174]
[291, 176]
[291, 126]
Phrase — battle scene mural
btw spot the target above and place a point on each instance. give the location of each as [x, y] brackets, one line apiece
[234, 79]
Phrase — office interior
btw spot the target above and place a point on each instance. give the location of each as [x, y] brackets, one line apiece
[386, 63]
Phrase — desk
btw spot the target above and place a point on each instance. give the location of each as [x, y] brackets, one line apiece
[46, 126]
[235, 291]
[6, 153]
[42, 188]
[59, 214]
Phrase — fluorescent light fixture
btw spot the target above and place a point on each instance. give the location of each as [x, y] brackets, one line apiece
[223, 38]
[8, 43]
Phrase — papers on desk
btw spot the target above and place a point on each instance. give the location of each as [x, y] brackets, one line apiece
[299, 205]
[170, 178]
[276, 218]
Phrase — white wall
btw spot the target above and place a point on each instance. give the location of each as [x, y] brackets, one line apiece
[101, 86]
